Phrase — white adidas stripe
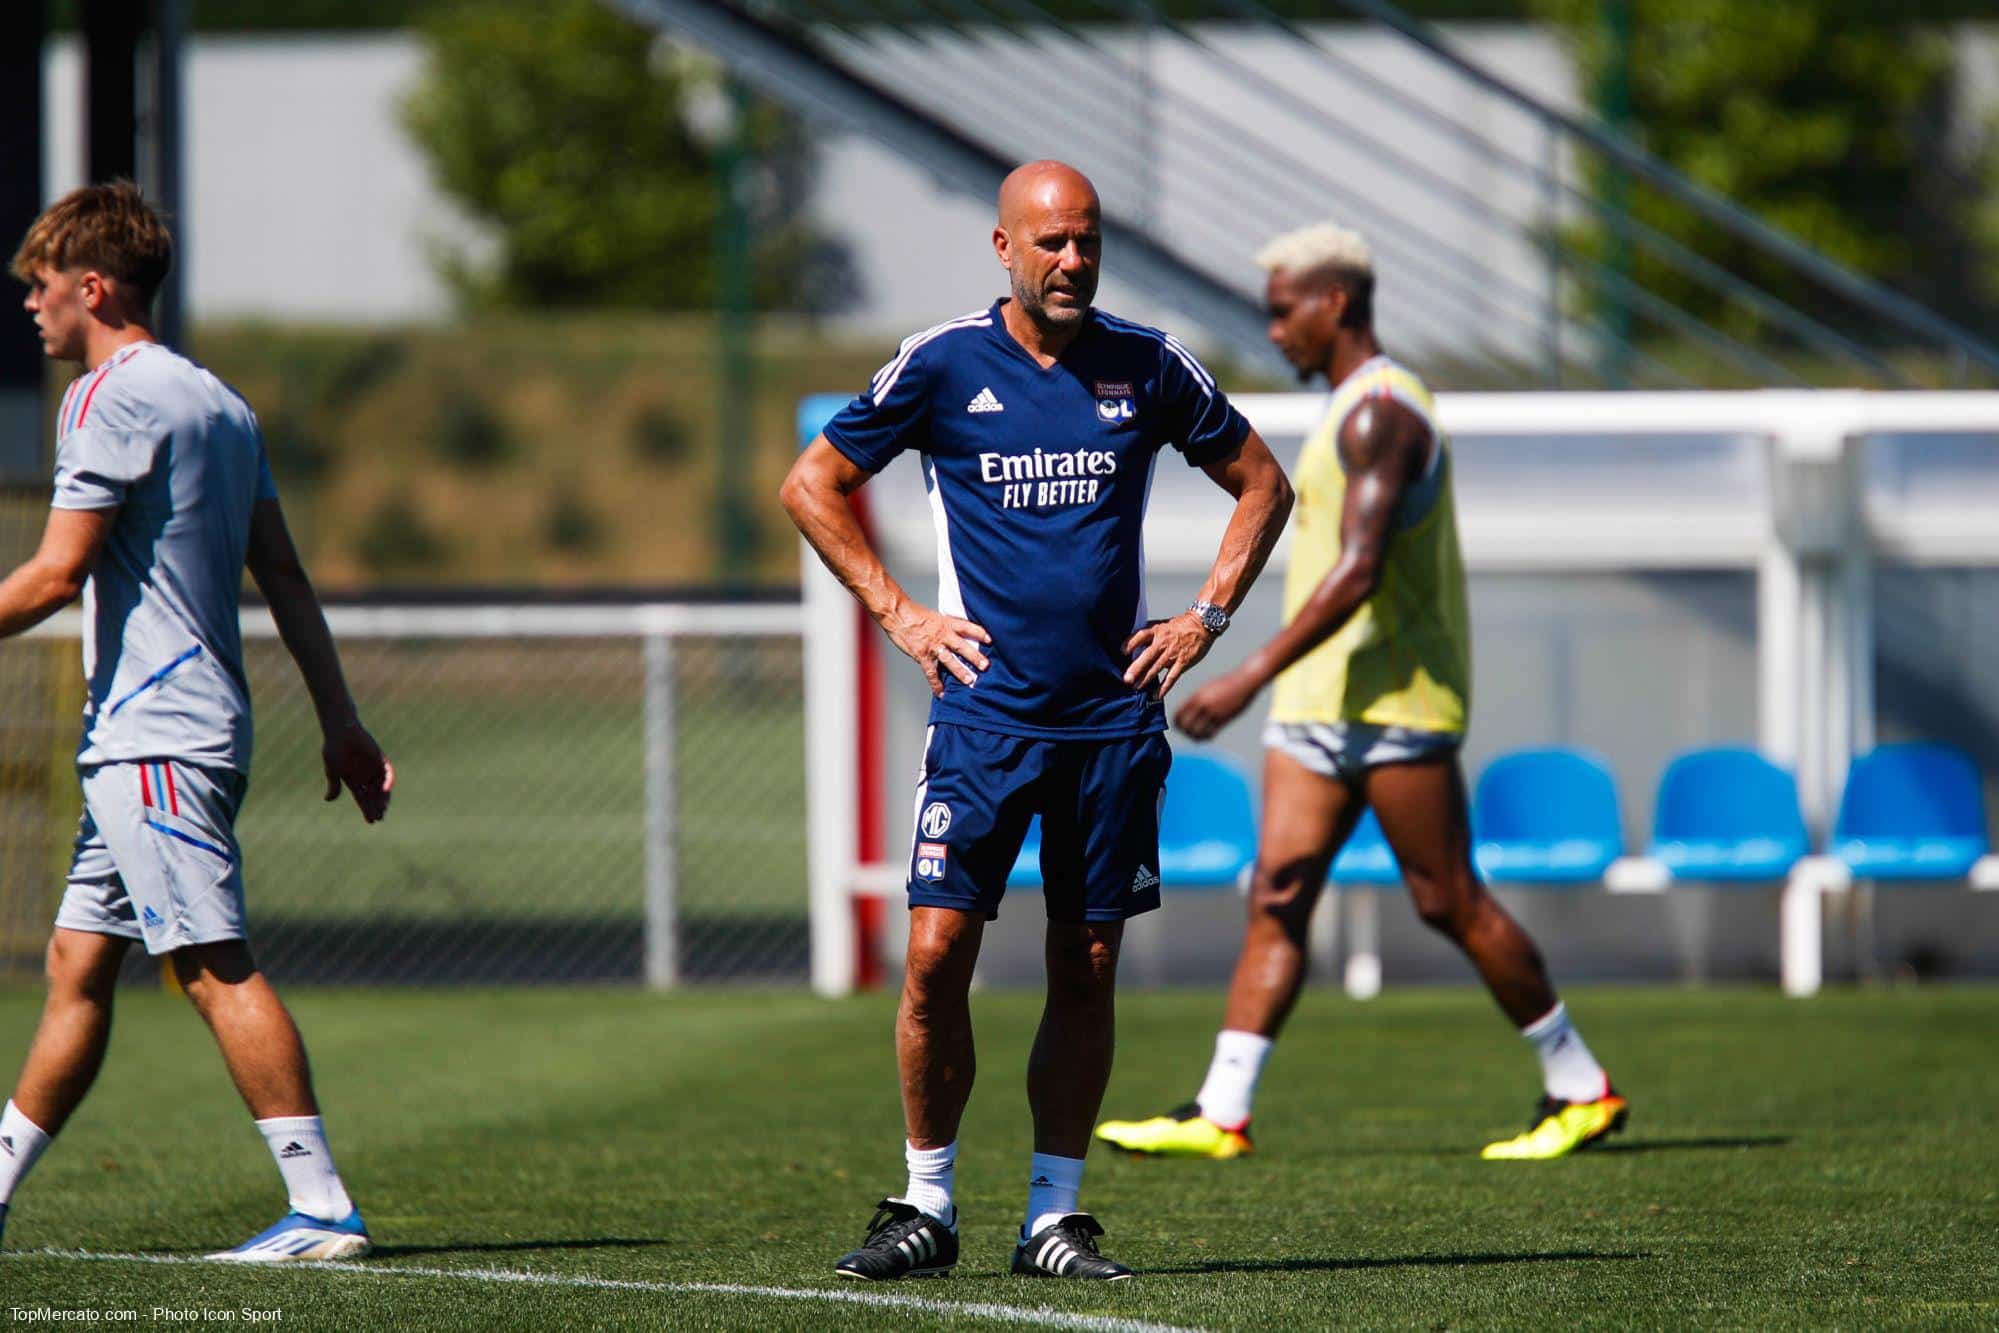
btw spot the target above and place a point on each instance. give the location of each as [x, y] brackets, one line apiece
[885, 378]
[1193, 362]
[1170, 343]
[1041, 1316]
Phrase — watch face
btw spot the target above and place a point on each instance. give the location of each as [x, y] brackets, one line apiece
[1213, 618]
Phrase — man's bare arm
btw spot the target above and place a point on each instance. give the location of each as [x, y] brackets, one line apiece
[815, 495]
[350, 755]
[1263, 504]
[1168, 648]
[51, 578]
[1383, 447]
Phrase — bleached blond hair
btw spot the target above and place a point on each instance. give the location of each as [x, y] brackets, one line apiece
[1323, 245]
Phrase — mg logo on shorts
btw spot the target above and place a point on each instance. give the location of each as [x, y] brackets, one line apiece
[936, 820]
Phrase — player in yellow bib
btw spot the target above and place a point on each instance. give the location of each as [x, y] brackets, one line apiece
[1373, 673]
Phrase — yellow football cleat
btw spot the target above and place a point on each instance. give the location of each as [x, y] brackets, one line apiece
[1182, 1132]
[1560, 1128]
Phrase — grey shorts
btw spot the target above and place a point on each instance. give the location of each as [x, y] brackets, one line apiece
[156, 858]
[1346, 750]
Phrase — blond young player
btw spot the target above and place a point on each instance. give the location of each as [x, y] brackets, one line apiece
[163, 496]
[1373, 673]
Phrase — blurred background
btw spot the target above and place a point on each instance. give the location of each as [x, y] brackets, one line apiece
[528, 296]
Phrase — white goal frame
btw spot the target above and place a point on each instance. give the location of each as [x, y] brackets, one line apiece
[656, 627]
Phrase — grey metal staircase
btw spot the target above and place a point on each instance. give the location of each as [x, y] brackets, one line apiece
[1204, 141]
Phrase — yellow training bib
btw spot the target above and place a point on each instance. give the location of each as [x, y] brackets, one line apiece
[1404, 659]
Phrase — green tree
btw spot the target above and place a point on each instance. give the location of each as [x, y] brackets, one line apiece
[1823, 120]
[567, 130]
[1985, 216]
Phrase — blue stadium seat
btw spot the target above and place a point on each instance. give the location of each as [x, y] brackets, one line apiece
[1207, 830]
[1545, 817]
[1026, 872]
[1727, 814]
[1911, 812]
[1366, 858]
[814, 411]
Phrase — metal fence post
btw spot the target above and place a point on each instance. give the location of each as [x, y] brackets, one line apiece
[662, 907]
[1551, 226]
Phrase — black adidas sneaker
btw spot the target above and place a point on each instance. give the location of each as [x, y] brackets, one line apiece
[1067, 1247]
[903, 1241]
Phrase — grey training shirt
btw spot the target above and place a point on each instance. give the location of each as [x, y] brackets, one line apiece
[177, 452]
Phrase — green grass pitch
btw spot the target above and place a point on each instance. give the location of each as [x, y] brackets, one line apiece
[1832, 1162]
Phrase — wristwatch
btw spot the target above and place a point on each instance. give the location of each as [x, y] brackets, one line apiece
[1213, 618]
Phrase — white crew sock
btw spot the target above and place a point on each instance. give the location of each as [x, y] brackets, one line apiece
[1568, 1070]
[930, 1171]
[1051, 1190]
[1230, 1087]
[298, 1145]
[21, 1142]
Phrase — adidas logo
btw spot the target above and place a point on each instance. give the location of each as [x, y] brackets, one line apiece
[294, 1149]
[153, 918]
[7, 1144]
[1144, 880]
[1042, 1181]
[985, 402]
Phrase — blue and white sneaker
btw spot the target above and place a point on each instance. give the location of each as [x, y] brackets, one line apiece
[296, 1236]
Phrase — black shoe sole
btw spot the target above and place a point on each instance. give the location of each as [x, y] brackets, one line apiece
[914, 1272]
[1031, 1270]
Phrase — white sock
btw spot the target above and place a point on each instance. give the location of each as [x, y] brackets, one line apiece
[1568, 1070]
[298, 1145]
[1230, 1087]
[930, 1171]
[1051, 1190]
[21, 1142]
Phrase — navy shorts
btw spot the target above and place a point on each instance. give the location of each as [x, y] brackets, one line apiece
[1099, 806]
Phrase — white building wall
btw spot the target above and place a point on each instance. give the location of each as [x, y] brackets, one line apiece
[305, 198]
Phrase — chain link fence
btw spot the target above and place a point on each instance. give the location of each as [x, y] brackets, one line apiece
[583, 794]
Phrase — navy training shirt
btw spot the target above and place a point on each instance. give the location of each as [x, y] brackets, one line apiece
[1038, 482]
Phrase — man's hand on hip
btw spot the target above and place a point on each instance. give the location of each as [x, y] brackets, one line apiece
[938, 643]
[1167, 650]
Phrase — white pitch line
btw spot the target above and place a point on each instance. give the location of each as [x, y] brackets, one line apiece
[1039, 1316]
